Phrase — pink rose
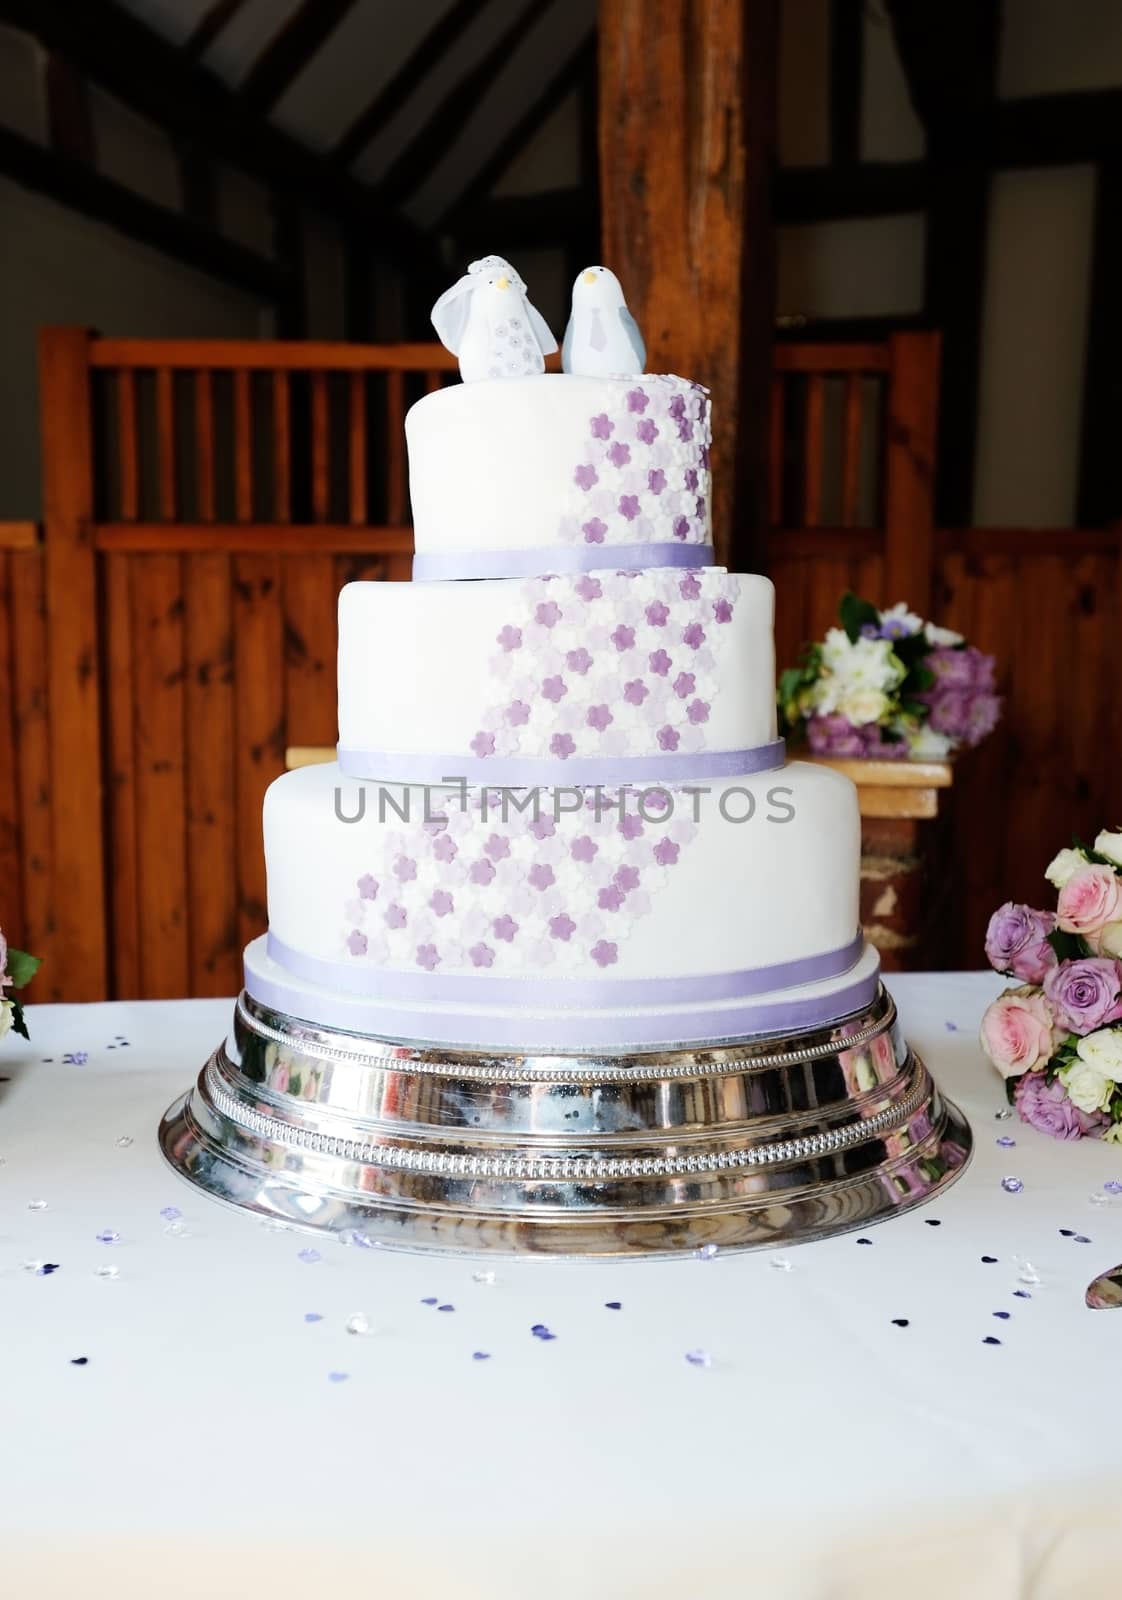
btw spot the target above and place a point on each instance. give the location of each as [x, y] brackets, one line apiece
[1090, 898]
[1017, 1032]
[280, 1080]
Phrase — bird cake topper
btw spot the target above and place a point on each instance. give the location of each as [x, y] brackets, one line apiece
[486, 320]
[602, 339]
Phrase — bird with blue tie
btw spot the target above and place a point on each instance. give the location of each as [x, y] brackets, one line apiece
[602, 339]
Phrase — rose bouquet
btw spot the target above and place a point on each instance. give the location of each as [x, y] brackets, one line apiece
[1056, 1038]
[888, 684]
[16, 969]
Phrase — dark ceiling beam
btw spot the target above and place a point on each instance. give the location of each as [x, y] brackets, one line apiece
[948, 50]
[868, 189]
[524, 221]
[1100, 484]
[162, 83]
[576, 70]
[70, 128]
[209, 26]
[435, 45]
[72, 183]
[445, 126]
[847, 41]
[289, 51]
[1058, 129]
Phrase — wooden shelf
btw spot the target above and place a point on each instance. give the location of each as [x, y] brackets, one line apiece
[906, 789]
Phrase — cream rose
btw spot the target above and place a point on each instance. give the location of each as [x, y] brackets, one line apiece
[863, 706]
[1102, 1051]
[1109, 844]
[1113, 1134]
[1017, 1032]
[1086, 1087]
[1064, 866]
[1091, 898]
[944, 638]
[1109, 940]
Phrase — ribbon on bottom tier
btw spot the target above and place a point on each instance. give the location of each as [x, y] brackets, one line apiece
[438, 566]
[571, 1012]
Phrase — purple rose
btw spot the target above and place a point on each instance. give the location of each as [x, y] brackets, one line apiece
[1045, 1106]
[1084, 995]
[985, 711]
[1017, 942]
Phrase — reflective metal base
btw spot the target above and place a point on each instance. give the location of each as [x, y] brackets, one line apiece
[762, 1141]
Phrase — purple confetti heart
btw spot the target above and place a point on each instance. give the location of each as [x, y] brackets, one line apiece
[1021, 1294]
[900, 1322]
[429, 1300]
[864, 1241]
[313, 1316]
[80, 1361]
[309, 1257]
[989, 1260]
[614, 1305]
[1003, 1316]
[446, 1307]
[481, 1355]
[337, 1377]
[933, 1222]
[989, 1339]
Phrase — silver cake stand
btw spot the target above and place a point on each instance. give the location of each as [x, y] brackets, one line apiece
[749, 1143]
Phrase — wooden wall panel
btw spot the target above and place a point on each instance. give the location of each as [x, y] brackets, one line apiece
[257, 756]
[11, 871]
[28, 689]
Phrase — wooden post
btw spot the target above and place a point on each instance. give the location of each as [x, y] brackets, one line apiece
[687, 124]
[909, 490]
[76, 962]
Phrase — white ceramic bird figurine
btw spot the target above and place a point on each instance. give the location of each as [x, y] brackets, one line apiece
[602, 339]
[486, 320]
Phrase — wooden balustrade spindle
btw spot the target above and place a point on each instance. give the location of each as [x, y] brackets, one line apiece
[433, 382]
[321, 462]
[243, 447]
[128, 455]
[204, 445]
[812, 453]
[165, 442]
[396, 499]
[282, 448]
[851, 452]
[358, 448]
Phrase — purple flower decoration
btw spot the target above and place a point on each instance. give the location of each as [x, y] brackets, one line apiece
[629, 506]
[562, 927]
[646, 432]
[1017, 942]
[594, 531]
[368, 887]
[548, 614]
[599, 717]
[602, 426]
[684, 685]
[637, 400]
[481, 955]
[611, 898]
[691, 479]
[405, 869]
[541, 875]
[626, 878]
[554, 688]
[483, 744]
[630, 827]
[427, 956]
[517, 713]
[1084, 995]
[562, 746]
[482, 871]
[619, 454]
[677, 407]
[699, 507]
[1045, 1106]
[681, 529]
[356, 942]
[635, 692]
[698, 711]
[667, 738]
[497, 847]
[584, 848]
[441, 902]
[578, 660]
[510, 638]
[445, 848]
[659, 663]
[504, 928]
[689, 588]
[588, 588]
[656, 480]
[543, 827]
[722, 611]
[694, 636]
[585, 476]
[666, 853]
[396, 916]
[623, 637]
[604, 953]
[657, 614]
[685, 430]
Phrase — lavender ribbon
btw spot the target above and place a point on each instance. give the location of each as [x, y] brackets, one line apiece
[520, 772]
[562, 1013]
[433, 566]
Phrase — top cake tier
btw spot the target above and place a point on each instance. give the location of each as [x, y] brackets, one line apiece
[555, 473]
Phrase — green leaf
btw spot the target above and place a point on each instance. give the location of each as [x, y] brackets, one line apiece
[855, 613]
[18, 1023]
[1092, 854]
[1068, 946]
[790, 682]
[22, 967]
[911, 649]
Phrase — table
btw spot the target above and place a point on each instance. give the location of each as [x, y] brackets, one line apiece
[210, 1444]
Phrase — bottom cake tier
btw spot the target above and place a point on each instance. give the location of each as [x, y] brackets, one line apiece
[379, 1142]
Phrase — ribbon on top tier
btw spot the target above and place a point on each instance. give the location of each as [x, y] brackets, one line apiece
[519, 772]
[431, 566]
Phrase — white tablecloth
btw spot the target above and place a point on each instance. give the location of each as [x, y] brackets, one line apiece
[206, 1448]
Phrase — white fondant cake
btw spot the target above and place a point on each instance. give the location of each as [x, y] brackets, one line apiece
[551, 465]
[609, 666]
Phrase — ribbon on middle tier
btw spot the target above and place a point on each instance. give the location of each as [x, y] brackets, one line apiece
[437, 566]
[520, 772]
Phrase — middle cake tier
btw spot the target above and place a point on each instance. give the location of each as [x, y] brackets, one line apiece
[607, 676]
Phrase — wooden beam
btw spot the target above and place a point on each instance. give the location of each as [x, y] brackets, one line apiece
[161, 82]
[565, 81]
[1100, 491]
[254, 355]
[70, 128]
[74, 184]
[289, 51]
[424, 151]
[870, 189]
[246, 538]
[288, 245]
[948, 50]
[435, 45]
[1058, 129]
[358, 287]
[209, 26]
[526, 221]
[198, 187]
[847, 41]
[687, 217]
